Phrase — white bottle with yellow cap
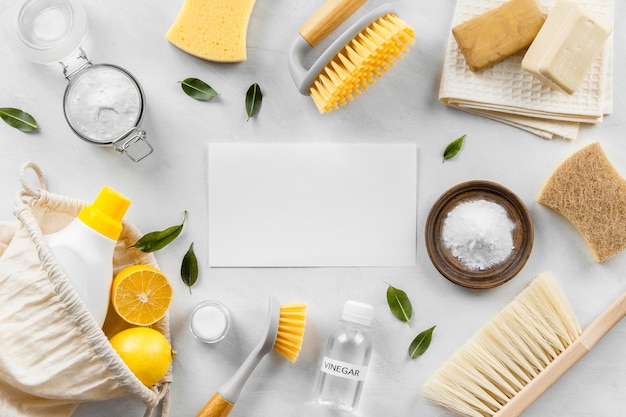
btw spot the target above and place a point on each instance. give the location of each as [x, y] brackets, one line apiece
[84, 249]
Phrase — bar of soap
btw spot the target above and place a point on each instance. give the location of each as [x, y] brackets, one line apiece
[566, 46]
[214, 30]
[499, 33]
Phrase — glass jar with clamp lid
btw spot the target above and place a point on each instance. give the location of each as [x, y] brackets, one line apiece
[103, 103]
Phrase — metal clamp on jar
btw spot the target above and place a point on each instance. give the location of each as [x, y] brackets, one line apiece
[103, 103]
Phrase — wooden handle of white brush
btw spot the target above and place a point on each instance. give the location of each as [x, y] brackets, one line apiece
[589, 337]
[328, 18]
[217, 406]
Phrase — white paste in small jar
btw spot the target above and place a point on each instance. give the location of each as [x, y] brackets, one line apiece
[103, 103]
[209, 321]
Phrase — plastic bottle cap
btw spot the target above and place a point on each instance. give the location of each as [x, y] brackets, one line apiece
[359, 313]
[105, 214]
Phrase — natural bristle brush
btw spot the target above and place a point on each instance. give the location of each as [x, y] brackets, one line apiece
[363, 51]
[284, 333]
[517, 355]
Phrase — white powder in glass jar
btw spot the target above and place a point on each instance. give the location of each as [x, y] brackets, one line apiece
[103, 103]
[478, 233]
[210, 321]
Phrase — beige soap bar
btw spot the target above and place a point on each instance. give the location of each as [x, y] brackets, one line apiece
[214, 30]
[499, 33]
[566, 46]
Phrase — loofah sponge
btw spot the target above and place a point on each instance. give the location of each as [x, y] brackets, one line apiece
[589, 192]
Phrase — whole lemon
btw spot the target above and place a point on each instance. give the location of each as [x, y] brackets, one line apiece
[147, 353]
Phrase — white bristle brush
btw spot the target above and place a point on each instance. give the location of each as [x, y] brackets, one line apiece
[517, 355]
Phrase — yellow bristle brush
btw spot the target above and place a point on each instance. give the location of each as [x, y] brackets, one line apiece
[284, 333]
[518, 354]
[363, 51]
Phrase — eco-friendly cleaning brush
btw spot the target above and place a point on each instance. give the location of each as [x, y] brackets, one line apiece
[284, 333]
[518, 354]
[363, 51]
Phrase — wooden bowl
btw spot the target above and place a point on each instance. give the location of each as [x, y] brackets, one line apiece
[450, 266]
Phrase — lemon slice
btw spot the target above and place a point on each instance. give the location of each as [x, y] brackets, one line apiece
[141, 294]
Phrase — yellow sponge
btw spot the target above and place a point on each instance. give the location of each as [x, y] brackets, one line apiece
[588, 191]
[214, 30]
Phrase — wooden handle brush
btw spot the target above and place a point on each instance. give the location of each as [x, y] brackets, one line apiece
[364, 50]
[518, 354]
[328, 18]
[284, 333]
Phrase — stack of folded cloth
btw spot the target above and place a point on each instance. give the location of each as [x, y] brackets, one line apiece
[507, 93]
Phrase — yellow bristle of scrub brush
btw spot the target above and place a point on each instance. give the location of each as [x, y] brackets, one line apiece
[364, 51]
[290, 330]
[284, 332]
[368, 55]
[517, 355]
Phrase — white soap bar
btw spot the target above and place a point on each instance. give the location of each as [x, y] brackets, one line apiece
[566, 46]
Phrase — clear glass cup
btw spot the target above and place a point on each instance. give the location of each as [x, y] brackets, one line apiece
[209, 321]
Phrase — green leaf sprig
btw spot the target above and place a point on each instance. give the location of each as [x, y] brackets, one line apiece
[254, 98]
[453, 148]
[198, 89]
[401, 308]
[18, 119]
[189, 268]
[399, 304]
[154, 241]
[420, 344]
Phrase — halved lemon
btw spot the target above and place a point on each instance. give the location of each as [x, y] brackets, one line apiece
[141, 294]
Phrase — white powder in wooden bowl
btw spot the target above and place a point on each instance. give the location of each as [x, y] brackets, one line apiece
[478, 233]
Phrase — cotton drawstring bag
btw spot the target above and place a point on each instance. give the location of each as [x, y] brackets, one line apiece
[53, 354]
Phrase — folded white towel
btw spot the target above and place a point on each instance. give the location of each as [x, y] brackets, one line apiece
[507, 93]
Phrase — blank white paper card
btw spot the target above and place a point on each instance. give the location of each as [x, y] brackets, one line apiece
[300, 205]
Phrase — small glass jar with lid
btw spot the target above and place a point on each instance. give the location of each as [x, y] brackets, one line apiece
[103, 103]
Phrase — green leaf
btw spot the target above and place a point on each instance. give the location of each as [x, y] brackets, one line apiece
[420, 344]
[453, 148]
[198, 89]
[254, 98]
[189, 268]
[18, 119]
[399, 304]
[154, 241]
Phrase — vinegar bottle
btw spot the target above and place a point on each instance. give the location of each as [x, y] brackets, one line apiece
[346, 358]
[84, 249]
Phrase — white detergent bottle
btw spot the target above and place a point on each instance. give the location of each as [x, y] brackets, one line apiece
[84, 249]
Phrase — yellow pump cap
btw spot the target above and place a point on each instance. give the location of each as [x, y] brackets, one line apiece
[105, 214]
